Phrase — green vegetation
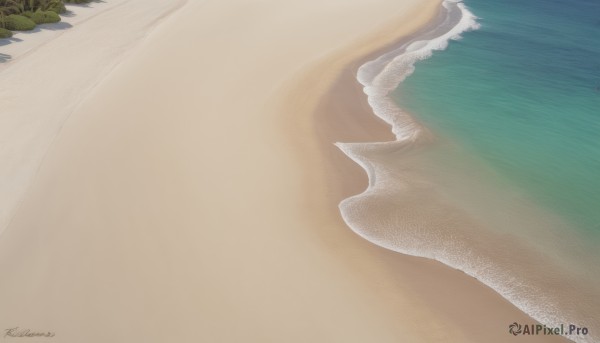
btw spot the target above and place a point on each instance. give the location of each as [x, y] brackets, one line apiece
[43, 17]
[4, 33]
[18, 23]
[22, 15]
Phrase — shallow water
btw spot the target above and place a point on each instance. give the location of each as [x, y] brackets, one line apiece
[493, 170]
[524, 93]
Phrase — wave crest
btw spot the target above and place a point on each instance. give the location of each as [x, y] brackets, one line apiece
[405, 210]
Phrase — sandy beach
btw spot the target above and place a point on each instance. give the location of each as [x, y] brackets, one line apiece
[190, 195]
[69, 58]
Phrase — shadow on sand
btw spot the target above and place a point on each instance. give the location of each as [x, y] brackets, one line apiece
[85, 4]
[4, 58]
[52, 27]
[7, 41]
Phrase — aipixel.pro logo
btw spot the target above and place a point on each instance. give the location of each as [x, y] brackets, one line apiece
[516, 329]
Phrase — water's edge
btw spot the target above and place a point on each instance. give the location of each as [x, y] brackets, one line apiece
[409, 207]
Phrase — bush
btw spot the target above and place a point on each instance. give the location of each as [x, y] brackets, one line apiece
[58, 8]
[18, 23]
[4, 33]
[43, 17]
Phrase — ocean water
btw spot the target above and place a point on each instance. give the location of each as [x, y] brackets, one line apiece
[496, 111]
[524, 93]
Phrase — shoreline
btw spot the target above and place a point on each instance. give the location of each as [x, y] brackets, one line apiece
[345, 104]
[463, 231]
[188, 209]
[165, 205]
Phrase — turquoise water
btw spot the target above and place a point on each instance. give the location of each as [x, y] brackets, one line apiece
[523, 93]
[508, 192]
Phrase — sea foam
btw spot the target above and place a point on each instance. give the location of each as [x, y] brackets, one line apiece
[405, 210]
[382, 75]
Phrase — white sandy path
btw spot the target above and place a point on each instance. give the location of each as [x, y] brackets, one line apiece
[51, 72]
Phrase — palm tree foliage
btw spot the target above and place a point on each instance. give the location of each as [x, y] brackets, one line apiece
[19, 6]
[28, 8]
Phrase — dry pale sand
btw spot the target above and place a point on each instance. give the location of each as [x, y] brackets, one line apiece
[51, 71]
[188, 198]
[27, 42]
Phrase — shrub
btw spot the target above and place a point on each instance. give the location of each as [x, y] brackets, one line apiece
[58, 8]
[18, 23]
[4, 33]
[43, 17]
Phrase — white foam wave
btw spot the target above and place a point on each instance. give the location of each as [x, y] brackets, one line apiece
[379, 78]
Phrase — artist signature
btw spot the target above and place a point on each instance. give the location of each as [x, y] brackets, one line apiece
[18, 332]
